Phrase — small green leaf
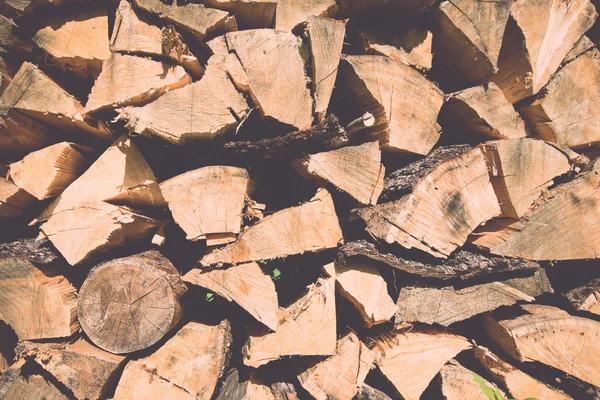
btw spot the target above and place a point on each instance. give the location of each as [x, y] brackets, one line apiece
[263, 262]
[491, 393]
[276, 274]
[210, 296]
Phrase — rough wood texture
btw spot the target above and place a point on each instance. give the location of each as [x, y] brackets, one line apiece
[84, 369]
[355, 170]
[586, 297]
[291, 13]
[342, 375]
[245, 284]
[482, 111]
[37, 304]
[366, 392]
[411, 360]
[310, 227]
[563, 226]
[538, 37]
[8, 39]
[306, 328]
[46, 173]
[581, 46]
[249, 14]
[274, 70]
[207, 203]
[130, 303]
[443, 209]
[20, 134]
[458, 383]
[250, 389]
[448, 305]
[361, 284]
[284, 391]
[35, 250]
[519, 384]
[14, 384]
[551, 336]
[14, 201]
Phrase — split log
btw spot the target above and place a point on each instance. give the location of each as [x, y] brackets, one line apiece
[36, 303]
[326, 37]
[284, 391]
[550, 336]
[355, 170]
[458, 383]
[566, 112]
[483, 112]
[130, 303]
[581, 46]
[366, 392]
[291, 13]
[245, 284]
[342, 375]
[16, 385]
[234, 388]
[14, 201]
[443, 209]
[38, 251]
[586, 297]
[133, 81]
[519, 384]
[77, 41]
[249, 14]
[84, 369]
[404, 103]
[563, 226]
[362, 285]
[306, 328]
[20, 134]
[534, 47]
[448, 305]
[46, 173]
[310, 227]
[9, 40]
[411, 360]
[274, 71]
[6, 75]
[207, 203]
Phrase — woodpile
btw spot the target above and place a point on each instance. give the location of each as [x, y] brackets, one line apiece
[299, 199]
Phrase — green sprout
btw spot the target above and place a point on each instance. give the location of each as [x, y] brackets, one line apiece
[210, 296]
[276, 274]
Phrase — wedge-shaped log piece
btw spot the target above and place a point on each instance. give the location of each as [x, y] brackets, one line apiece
[249, 14]
[128, 304]
[21, 134]
[404, 103]
[355, 170]
[519, 384]
[567, 112]
[37, 304]
[291, 13]
[551, 336]
[310, 227]
[326, 38]
[252, 388]
[342, 375]
[15, 384]
[469, 36]
[208, 202]
[586, 297]
[306, 328]
[8, 39]
[443, 209]
[458, 382]
[537, 38]
[83, 368]
[245, 284]
[361, 284]
[77, 41]
[482, 111]
[128, 80]
[136, 382]
[411, 360]
[448, 305]
[14, 201]
[564, 226]
[33, 93]
[46, 173]
[274, 71]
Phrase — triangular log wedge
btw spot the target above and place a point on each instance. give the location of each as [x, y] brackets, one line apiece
[8, 40]
[310, 227]
[249, 14]
[46, 173]
[342, 375]
[94, 372]
[586, 297]
[306, 328]
[404, 103]
[469, 34]
[252, 388]
[14, 201]
[411, 360]
[21, 134]
[128, 304]
[550, 336]
[137, 382]
[15, 384]
[128, 80]
[447, 305]
[567, 112]
[207, 203]
[355, 170]
[291, 13]
[519, 384]
[326, 38]
[245, 284]
[458, 383]
[443, 209]
[361, 284]
[563, 226]
[483, 112]
[37, 304]
[537, 38]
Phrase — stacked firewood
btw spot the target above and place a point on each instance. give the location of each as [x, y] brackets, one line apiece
[296, 199]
